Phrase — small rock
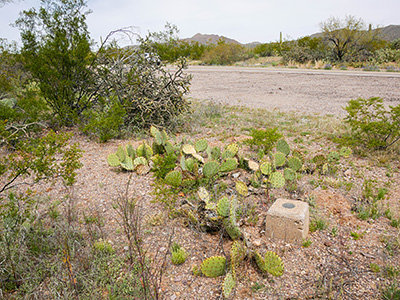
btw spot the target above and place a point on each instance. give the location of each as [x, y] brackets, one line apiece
[236, 175]
[178, 278]
[173, 297]
[328, 244]
[126, 248]
[257, 243]
[348, 173]
[162, 249]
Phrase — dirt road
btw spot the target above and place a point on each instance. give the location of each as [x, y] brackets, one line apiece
[309, 91]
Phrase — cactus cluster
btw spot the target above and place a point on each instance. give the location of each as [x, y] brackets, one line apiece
[325, 164]
[130, 159]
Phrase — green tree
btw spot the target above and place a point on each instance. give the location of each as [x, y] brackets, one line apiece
[56, 51]
[348, 37]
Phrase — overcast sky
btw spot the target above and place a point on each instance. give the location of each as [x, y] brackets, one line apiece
[245, 21]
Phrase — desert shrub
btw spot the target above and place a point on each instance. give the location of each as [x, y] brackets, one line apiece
[56, 51]
[263, 139]
[224, 54]
[135, 79]
[372, 125]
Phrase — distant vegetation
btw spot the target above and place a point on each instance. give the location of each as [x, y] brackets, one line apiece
[341, 43]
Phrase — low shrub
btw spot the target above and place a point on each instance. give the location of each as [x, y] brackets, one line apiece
[372, 125]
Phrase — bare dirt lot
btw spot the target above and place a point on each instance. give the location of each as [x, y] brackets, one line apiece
[307, 91]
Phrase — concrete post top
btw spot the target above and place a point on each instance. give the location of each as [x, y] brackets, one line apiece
[292, 209]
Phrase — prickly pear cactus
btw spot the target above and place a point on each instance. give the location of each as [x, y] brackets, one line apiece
[127, 164]
[174, 178]
[223, 207]
[190, 164]
[333, 156]
[230, 224]
[228, 285]
[238, 253]
[113, 160]
[140, 160]
[233, 148]
[283, 146]
[201, 145]
[277, 180]
[294, 163]
[213, 266]
[121, 153]
[241, 188]
[189, 149]
[142, 169]
[279, 159]
[130, 151]
[345, 152]
[266, 168]
[271, 263]
[210, 169]
[227, 154]
[289, 174]
[229, 165]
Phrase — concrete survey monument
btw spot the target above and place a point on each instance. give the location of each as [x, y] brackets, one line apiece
[288, 220]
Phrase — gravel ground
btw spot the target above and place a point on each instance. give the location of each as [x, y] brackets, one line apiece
[317, 91]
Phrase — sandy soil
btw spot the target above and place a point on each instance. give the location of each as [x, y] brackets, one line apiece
[318, 91]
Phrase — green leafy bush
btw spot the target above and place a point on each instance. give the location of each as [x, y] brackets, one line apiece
[372, 125]
[264, 139]
[224, 54]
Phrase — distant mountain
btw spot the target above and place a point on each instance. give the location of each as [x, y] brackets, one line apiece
[209, 39]
[388, 33]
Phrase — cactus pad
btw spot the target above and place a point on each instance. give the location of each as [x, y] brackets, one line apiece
[213, 266]
[266, 168]
[277, 180]
[210, 169]
[294, 163]
[241, 188]
[198, 157]
[188, 149]
[333, 156]
[253, 166]
[228, 285]
[130, 151]
[233, 148]
[273, 264]
[127, 164]
[121, 153]
[139, 161]
[201, 145]
[289, 174]
[227, 154]
[345, 152]
[283, 146]
[190, 164]
[279, 159]
[203, 194]
[174, 178]
[113, 160]
[229, 165]
[223, 207]
[231, 227]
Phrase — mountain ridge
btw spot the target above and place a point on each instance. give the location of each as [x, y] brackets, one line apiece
[388, 33]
